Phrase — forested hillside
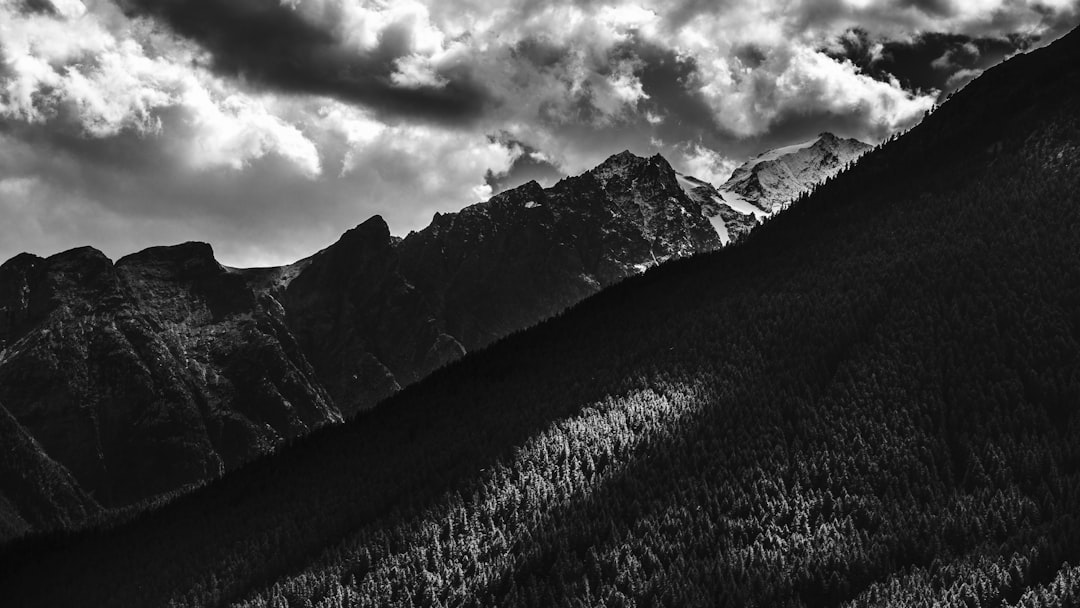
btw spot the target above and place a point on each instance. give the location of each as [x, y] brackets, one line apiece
[872, 400]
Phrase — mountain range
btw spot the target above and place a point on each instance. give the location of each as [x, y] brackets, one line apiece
[125, 382]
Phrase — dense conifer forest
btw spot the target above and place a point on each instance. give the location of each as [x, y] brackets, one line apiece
[872, 400]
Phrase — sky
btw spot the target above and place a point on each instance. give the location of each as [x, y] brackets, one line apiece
[269, 127]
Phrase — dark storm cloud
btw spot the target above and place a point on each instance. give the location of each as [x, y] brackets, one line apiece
[794, 125]
[530, 165]
[929, 61]
[543, 54]
[1057, 23]
[44, 7]
[682, 12]
[749, 55]
[672, 110]
[266, 42]
[126, 150]
[671, 82]
[938, 8]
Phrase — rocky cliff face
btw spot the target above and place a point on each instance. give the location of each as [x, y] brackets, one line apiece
[143, 376]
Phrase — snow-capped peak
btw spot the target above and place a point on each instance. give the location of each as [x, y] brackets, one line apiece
[769, 181]
[774, 178]
[617, 165]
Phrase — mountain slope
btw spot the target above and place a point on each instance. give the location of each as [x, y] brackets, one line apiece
[35, 492]
[139, 377]
[870, 401]
[376, 313]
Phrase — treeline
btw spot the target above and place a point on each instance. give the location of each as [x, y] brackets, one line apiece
[871, 401]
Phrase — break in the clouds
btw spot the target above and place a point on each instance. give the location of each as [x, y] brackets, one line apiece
[529, 164]
[930, 62]
[268, 127]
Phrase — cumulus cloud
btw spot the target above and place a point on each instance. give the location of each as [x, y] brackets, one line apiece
[268, 127]
[437, 166]
[707, 164]
[66, 68]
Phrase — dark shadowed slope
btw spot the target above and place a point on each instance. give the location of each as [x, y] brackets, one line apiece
[873, 400]
[139, 377]
[37, 493]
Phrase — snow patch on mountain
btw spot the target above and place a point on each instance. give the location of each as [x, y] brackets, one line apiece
[720, 226]
[728, 222]
[738, 203]
[778, 153]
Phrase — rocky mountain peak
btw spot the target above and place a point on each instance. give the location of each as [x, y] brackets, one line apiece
[187, 260]
[617, 166]
[191, 250]
[79, 262]
[649, 180]
[525, 192]
[849, 148]
[627, 166]
[82, 278]
[22, 261]
[363, 240]
[374, 226]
